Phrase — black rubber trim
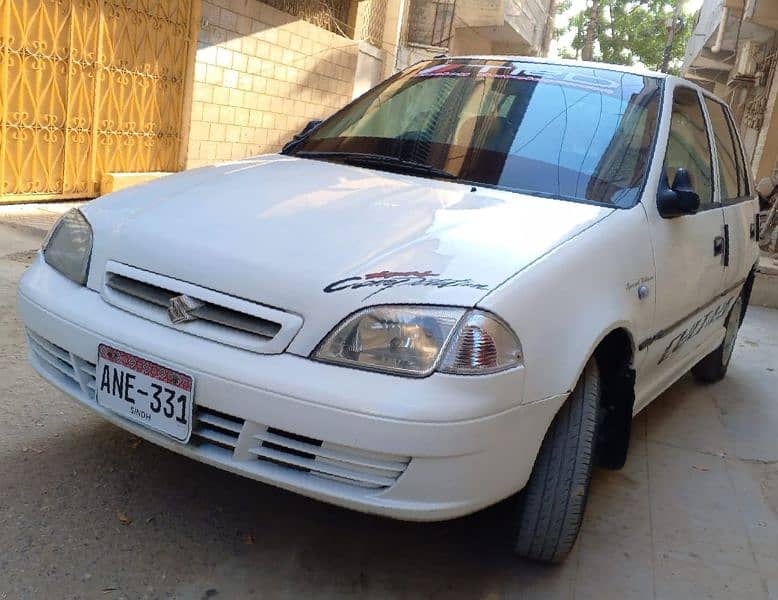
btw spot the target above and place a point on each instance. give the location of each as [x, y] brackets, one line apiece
[663, 332]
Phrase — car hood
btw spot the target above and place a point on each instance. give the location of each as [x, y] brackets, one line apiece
[322, 240]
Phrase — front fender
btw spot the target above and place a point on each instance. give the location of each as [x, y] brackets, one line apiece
[563, 305]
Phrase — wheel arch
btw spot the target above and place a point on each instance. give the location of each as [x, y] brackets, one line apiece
[614, 350]
[748, 287]
[615, 354]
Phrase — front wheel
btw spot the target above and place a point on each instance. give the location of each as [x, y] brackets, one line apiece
[714, 366]
[552, 505]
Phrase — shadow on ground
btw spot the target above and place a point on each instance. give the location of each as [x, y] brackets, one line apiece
[193, 528]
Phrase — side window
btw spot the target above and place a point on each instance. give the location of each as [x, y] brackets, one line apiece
[688, 146]
[745, 189]
[733, 182]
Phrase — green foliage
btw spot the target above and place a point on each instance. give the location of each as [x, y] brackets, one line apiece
[632, 31]
[566, 53]
[562, 7]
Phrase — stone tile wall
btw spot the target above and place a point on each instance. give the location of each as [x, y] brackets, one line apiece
[260, 75]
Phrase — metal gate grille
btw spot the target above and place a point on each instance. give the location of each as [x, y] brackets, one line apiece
[371, 22]
[332, 15]
[87, 87]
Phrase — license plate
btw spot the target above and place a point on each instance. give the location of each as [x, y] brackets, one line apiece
[145, 392]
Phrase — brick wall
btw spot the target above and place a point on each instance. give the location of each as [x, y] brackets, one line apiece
[260, 75]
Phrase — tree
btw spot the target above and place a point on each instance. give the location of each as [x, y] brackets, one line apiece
[672, 28]
[592, 27]
[651, 32]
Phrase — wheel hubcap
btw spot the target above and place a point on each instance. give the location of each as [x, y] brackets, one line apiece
[733, 324]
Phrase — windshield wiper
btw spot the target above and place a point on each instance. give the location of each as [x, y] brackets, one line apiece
[380, 160]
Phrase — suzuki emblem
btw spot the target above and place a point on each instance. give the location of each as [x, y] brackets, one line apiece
[182, 307]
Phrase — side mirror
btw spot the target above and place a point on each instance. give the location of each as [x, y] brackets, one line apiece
[310, 126]
[680, 198]
[298, 137]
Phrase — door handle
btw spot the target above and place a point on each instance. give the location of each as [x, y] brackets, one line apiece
[726, 245]
[718, 245]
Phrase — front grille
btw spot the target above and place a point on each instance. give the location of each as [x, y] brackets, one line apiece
[329, 461]
[216, 316]
[267, 451]
[70, 370]
[208, 312]
[216, 429]
[56, 357]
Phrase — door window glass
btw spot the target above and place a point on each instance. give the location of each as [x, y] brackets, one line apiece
[688, 146]
[732, 180]
[745, 188]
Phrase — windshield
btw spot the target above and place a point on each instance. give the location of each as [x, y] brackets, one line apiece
[578, 133]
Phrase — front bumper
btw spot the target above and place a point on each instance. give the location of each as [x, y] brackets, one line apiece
[428, 449]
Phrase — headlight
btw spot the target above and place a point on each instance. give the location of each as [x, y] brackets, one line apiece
[417, 340]
[68, 247]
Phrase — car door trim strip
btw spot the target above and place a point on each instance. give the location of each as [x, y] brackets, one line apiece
[663, 332]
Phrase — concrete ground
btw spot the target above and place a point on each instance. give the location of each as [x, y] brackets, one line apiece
[34, 218]
[87, 511]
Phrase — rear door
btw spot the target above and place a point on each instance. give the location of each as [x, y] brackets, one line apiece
[735, 194]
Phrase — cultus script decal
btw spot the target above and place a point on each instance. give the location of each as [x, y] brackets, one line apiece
[695, 328]
[385, 280]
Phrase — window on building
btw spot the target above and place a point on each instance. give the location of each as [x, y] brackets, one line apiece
[430, 22]
[688, 147]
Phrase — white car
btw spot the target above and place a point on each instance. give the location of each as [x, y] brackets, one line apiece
[461, 286]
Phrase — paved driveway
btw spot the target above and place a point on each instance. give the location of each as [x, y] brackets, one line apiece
[86, 511]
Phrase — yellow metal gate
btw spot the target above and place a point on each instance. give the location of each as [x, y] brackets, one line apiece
[88, 87]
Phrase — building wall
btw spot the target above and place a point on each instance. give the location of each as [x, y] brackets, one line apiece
[260, 75]
[744, 72]
[765, 153]
[528, 18]
[708, 19]
[509, 27]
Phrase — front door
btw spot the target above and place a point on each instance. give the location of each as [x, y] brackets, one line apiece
[688, 250]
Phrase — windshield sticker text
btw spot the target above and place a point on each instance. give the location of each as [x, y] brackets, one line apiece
[385, 280]
[520, 72]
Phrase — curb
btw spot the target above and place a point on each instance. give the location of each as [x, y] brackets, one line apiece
[765, 291]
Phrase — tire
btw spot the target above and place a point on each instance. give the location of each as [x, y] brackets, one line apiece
[714, 366]
[551, 507]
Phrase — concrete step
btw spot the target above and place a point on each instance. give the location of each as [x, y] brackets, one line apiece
[765, 292]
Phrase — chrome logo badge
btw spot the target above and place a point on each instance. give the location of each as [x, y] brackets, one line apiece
[182, 307]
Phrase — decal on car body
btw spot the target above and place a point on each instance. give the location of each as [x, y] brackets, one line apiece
[695, 328]
[385, 280]
[631, 285]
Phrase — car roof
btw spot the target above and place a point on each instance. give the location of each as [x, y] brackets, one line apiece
[565, 62]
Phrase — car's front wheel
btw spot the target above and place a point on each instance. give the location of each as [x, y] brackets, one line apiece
[714, 366]
[551, 507]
